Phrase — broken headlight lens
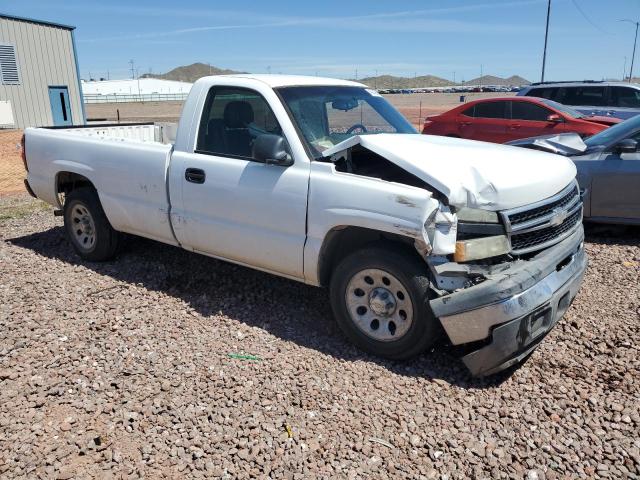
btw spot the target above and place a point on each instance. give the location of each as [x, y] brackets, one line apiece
[476, 215]
[477, 248]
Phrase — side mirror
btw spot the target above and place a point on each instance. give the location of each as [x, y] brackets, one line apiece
[272, 150]
[555, 118]
[628, 145]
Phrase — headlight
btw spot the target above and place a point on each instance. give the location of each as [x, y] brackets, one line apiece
[477, 248]
[477, 216]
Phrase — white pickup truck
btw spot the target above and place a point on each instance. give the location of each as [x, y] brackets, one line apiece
[324, 182]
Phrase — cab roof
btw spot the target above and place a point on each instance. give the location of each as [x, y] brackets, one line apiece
[275, 81]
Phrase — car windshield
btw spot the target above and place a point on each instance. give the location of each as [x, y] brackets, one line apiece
[615, 133]
[328, 115]
[563, 108]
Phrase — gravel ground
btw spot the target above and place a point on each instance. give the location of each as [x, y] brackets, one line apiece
[124, 369]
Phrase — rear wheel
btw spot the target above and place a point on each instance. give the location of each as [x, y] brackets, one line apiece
[87, 226]
[380, 298]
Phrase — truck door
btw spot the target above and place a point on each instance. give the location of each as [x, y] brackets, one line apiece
[232, 206]
[60, 107]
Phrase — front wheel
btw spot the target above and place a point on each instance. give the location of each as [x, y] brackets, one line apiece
[380, 298]
[87, 226]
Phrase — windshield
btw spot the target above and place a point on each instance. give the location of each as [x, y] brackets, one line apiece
[328, 115]
[615, 133]
[563, 108]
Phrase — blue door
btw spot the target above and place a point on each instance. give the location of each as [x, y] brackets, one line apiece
[60, 107]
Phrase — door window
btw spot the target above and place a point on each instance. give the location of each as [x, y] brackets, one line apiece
[469, 112]
[232, 119]
[490, 110]
[590, 96]
[529, 111]
[547, 92]
[625, 97]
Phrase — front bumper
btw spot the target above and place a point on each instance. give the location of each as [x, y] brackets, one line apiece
[513, 309]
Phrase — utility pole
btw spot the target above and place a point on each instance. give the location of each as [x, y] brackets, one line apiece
[546, 37]
[481, 68]
[624, 69]
[132, 69]
[454, 78]
[633, 55]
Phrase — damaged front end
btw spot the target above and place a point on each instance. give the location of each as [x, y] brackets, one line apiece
[503, 273]
[521, 272]
[494, 304]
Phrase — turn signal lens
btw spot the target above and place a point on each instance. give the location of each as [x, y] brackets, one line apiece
[477, 248]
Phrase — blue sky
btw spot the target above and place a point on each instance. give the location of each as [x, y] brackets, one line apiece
[334, 38]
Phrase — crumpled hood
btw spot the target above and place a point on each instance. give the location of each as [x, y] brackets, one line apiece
[470, 173]
[563, 144]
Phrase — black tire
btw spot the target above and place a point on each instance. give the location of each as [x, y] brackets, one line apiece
[412, 274]
[100, 241]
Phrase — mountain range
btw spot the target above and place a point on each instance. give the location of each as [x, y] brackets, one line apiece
[190, 73]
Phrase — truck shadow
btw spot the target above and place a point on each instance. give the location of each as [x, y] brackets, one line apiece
[286, 309]
[604, 234]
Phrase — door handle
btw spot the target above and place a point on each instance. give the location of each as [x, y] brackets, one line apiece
[514, 126]
[194, 175]
[465, 124]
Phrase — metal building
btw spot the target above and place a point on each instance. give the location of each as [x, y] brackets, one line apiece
[39, 75]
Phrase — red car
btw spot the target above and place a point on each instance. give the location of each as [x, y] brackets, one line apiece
[504, 119]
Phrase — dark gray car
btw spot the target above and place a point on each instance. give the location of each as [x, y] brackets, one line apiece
[608, 169]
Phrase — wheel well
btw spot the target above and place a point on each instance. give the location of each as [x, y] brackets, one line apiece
[342, 241]
[67, 181]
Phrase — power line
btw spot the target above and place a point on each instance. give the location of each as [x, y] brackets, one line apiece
[586, 17]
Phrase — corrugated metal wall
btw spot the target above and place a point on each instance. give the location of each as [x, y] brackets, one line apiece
[45, 58]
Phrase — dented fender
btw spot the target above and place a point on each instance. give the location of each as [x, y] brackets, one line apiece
[349, 200]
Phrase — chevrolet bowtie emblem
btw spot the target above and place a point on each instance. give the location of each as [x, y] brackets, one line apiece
[559, 216]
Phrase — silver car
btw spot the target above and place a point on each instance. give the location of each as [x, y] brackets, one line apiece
[608, 169]
[612, 99]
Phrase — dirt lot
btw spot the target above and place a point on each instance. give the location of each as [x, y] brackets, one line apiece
[128, 368]
[134, 112]
[11, 168]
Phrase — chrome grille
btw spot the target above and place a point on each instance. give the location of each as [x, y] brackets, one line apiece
[540, 225]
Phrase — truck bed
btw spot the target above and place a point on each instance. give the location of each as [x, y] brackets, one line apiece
[127, 167]
[141, 132]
